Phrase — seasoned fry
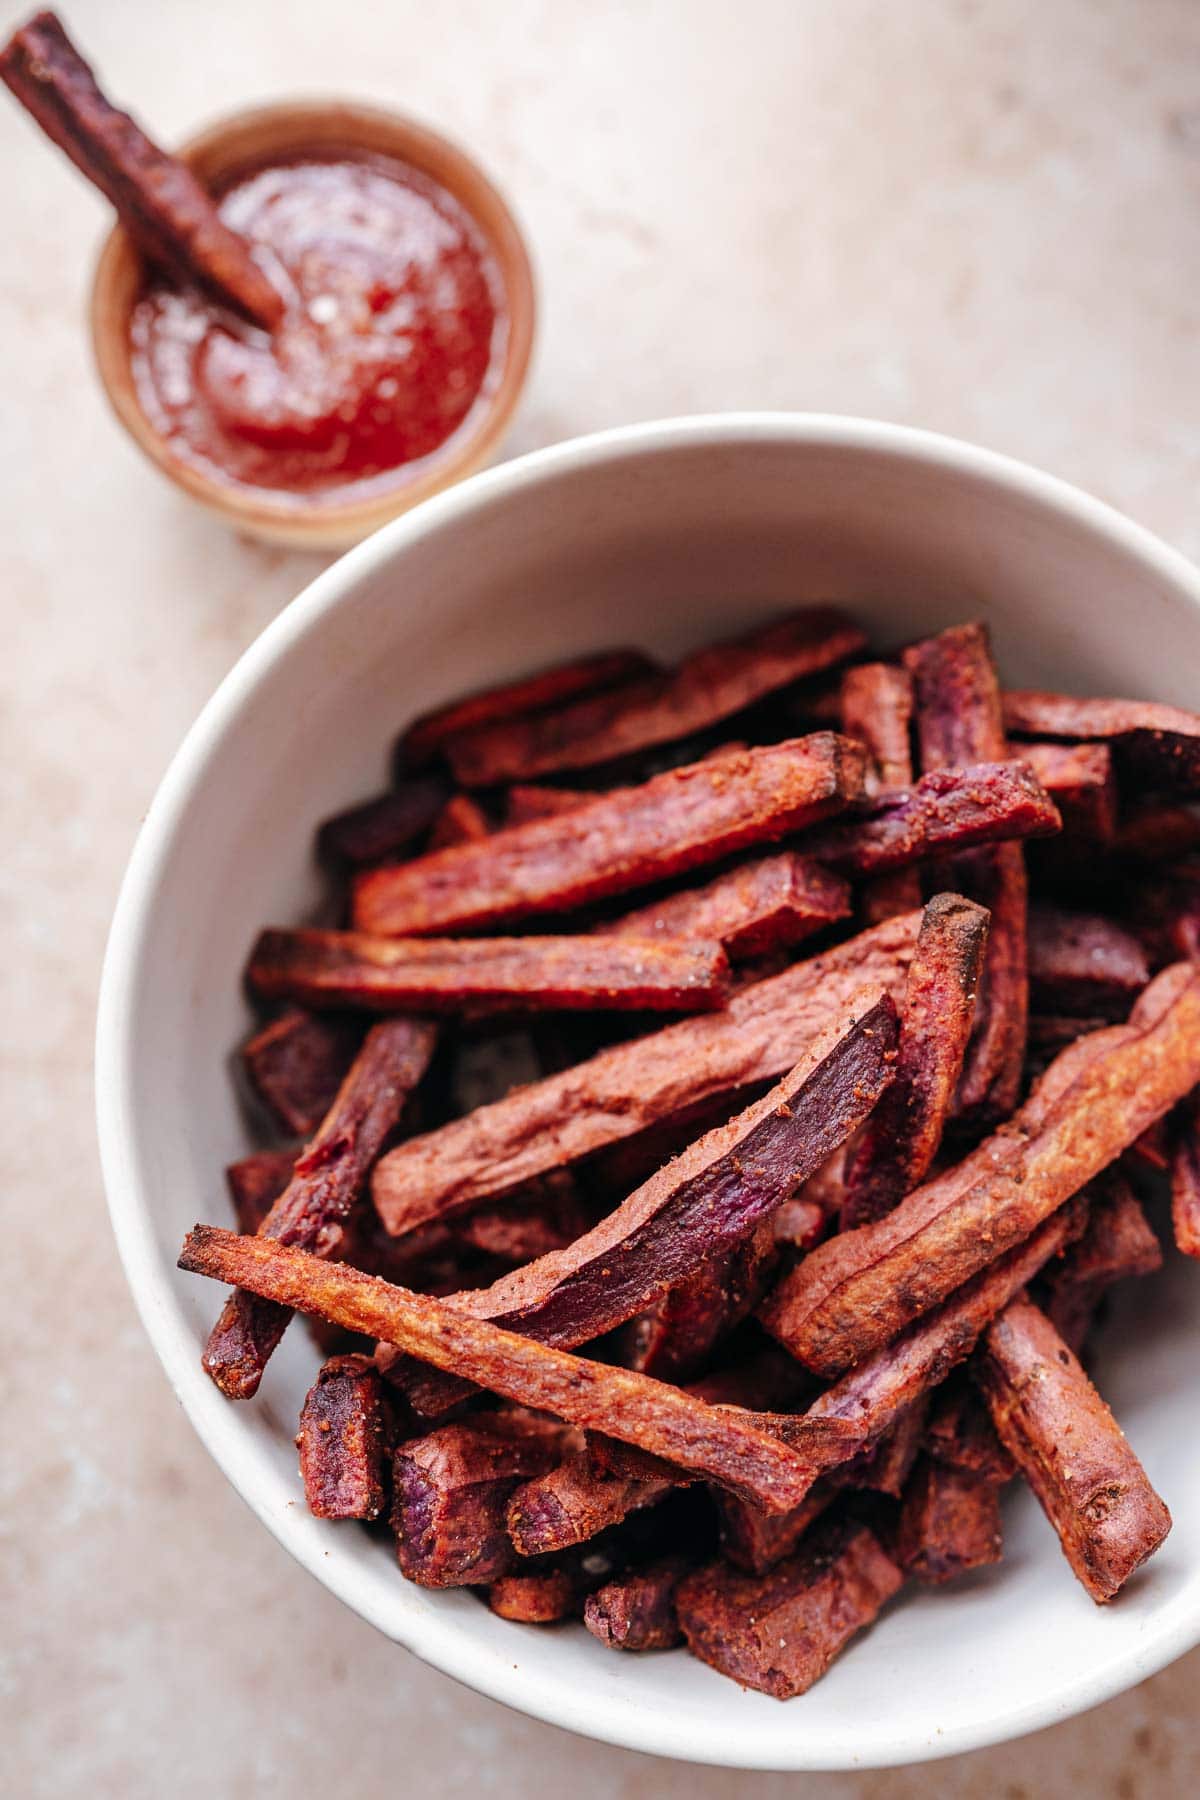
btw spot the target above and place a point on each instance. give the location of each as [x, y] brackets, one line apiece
[450, 1493]
[949, 1524]
[676, 1337]
[1070, 1449]
[328, 1178]
[540, 1599]
[959, 722]
[1083, 963]
[886, 1466]
[434, 732]
[297, 1063]
[961, 1435]
[779, 1632]
[626, 839]
[1118, 1243]
[1156, 745]
[708, 1200]
[712, 1441]
[575, 1501]
[711, 685]
[946, 811]
[755, 1540]
[636, 1611]
[855, 1292]
[752, 910]
[380, 829]
[901, 1139]
[876, 708]
[341, 1441]
[1185, 1176]
[1080, 780]
[461, 821]
[630, 1088]
[527, 974]
[159, 200]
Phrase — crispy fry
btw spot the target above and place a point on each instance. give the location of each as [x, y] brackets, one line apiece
[1185, 1175]
[450, 1494]
[1071, 1450]
[886, 1466]
[946, 811]
[876, 708]
[1083, 963]
[1158, 746]
[159, 200]
[625, 839]
[779, 1632]
[527, 974]
[949, 1524]
[341, 1441]
[326, 1181]
[707, 687]
[856, 1291]
[434, 733]
[297, 1063]
[539, 1599]
[575, 1501]
[715, 1442]
[461, 821]
[959, 722]
[636, 1611]
[381, 828]
[1079, 778]
[755, 1540]
[961, 1435]
[757, 908]
[901, 1139]
[631, 1087]
[1117, 1243]
[676, 1337]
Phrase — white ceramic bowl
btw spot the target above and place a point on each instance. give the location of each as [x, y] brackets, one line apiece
[665, 535]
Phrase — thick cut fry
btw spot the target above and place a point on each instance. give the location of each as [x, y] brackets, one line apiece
[540, 1599]
[575, 1501]
[526, 974]
[779, 1632]
[1157, 746]
[380, 829]
[711, 1441]
[711, 685]
[297, 1063]
[636, 1611]
[676, 1337]
[1118, 1243]
[755, 1540]
[856, 1291]
[872, 1397]
[159, 200]
[630, 1088]
[450, 1492]
[876, 708]
[959, 722]
[887, 1465]
[947, 811]
[1185, 1176]
[1071, 1450]
[1079, 778]
[434, 733]
[1083, 963]
[752, 910]
[523, 803]
[708, 1200]
[461, 821]
[949, 1524]
[961, 1435]
[328, 1178]
[901, 1139]
[626, 839]
[341, 1441]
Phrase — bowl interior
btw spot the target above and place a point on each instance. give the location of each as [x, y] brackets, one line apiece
[661, 536]
[296, 128]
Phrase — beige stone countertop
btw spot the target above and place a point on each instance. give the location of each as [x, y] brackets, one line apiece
[982, 217]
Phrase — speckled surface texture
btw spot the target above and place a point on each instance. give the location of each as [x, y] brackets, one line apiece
[983, 218]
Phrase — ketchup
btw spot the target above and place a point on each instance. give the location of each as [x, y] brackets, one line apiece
[392, 332]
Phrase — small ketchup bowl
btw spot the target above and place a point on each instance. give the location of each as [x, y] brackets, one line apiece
[334, 513]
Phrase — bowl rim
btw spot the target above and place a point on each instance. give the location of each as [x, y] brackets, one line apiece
[130, 1209]
[330, 522]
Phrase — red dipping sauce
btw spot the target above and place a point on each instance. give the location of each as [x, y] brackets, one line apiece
[394, 332]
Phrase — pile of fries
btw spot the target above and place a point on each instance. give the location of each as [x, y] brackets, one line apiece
[719, 1330]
